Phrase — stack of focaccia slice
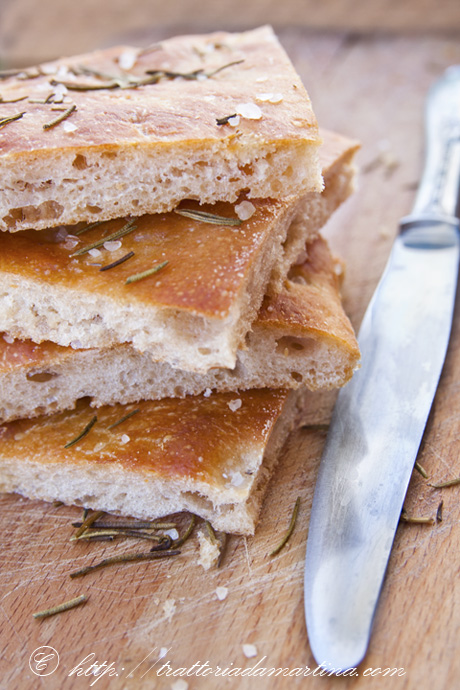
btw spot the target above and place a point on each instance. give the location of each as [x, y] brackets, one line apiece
[155, 346]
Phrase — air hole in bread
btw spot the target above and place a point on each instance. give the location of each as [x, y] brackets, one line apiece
[204, 350]
[246, 169]
[179, 392]
[41, 376]
[49, 210]
[296, 376]
[79, 162]
[109, 154]
[135, 202]
[93, 209]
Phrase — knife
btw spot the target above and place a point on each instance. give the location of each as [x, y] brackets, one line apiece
[380, 416]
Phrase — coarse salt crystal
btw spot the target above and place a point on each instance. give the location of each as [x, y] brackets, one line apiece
[112, 246]
[234, 121]
[163, 650]
[245, 210]
[61, 234]
[127, 59]
[70, 243]
[270, 97]
[249, 650]
[250, 111]
[94, 253]
[76, 345]
[125, 438]
[69, 127]
[8, 338]
[237, 479]
[207, 393]
[235, 405]
[173, 533]
[221, 593]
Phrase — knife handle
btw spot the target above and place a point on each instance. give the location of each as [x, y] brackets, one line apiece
[438, 193]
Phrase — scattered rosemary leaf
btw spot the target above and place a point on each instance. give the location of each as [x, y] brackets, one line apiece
[205, 217]
[57, 504]
[125, 230]
[439, 512]
[123, 419]
[7, 73]
[87, 428]
[223, 538]
[224, 120]
[124, 258]
[132, 524]
[187, 533]
[444, 485]
[6, 120]
[60, 118]
[211, 533]
[285, 539]
[145, 274]
[420, 469]
[88, 521]
[164, 543]
[416, 520]
[61, 607]
[124, 558]
[89, 534]
[89, 227]
[219, 69]
[75, 86]
[13, 100]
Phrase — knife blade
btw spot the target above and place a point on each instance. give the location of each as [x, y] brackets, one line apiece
[380, 416]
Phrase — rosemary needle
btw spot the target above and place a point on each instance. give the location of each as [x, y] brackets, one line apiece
[187, 533]
[205, 217]
[421, 469]
[125, 230]
[444, 485]
[61, 117]
[145, 274]
[89, 227]
[290, 529]
[88, 521]
[6, 120]
[87, 428]
[123, 419]
[61, 607]
[416, 520]
[132, 524]
[124, 258]
[124, 558]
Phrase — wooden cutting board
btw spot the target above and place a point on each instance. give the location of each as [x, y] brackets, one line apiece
[370, 89]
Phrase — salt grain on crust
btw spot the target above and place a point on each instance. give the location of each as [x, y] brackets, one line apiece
[235, 405]
[245, 210]
[112, 246]
[250, 111]
[221, 593]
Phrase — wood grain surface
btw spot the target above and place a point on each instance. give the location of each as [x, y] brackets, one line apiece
[372, 89]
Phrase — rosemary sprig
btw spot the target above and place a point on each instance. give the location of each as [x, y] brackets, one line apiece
[416, 520]
[316, 427]
[205, 217]
[6, 120]
[178, 542]
[86, 430]
[444, 485]
[125, 230]
[61, 607]
[211, 533]
[88, 521]
[224, 120]
[421, 470]
[290, 530]
[61, 117]
[220, 541]
[145, 274]
[91, 226]
[124, 558]
[132, 524]
[219, 69]
[13, 100]
[123, 419]
[124, 258]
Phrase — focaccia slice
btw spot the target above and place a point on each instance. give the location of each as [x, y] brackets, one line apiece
[126, 131]
[212, 456]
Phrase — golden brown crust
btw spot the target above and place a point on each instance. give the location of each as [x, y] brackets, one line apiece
[170, 111]
[195, 438]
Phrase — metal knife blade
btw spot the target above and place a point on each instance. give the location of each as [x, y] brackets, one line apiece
[380, 416]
